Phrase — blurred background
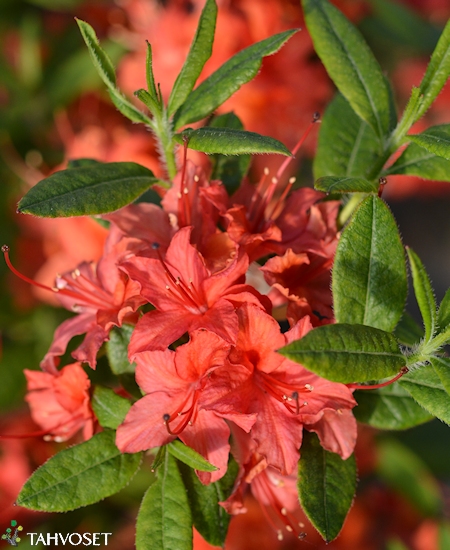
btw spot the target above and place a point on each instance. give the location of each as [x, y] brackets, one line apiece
[53, 108]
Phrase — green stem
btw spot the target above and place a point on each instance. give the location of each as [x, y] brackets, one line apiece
[163, 132]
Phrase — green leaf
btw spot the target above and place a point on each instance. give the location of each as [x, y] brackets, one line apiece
[222, 84]
[164, 521]
[347, 353]
[405, 26]
[117, 350]
[95, 189]
[437, 73]
[404, 471]
[107, 73]
[99, 57]
[424, 294]
[347, 145]
[200, 52]
[228, 141]
[369, 273]
[417, 161]
[127, 108]
[109, 408]
[81, 163]
[443, 316]
[76, 75]
[427, 389]
[79, 476]
[149, 74]
[441, 366]
[229, 170]
[210, 519]
[350, 63]
[345, 184]
[148, 100]
[190, 457]
[435, 140]
[326, 486]
[389, 408]
[408, 331]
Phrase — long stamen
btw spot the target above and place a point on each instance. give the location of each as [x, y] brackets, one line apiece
[183, 290]
[281, 198]
[5, 250]
[403, 371]
[282, 168]
[257, 195]
[40, 433]
[90, 299]
[188, 413]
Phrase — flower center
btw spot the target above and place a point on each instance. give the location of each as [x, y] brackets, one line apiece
[287, 394]
[187, 293]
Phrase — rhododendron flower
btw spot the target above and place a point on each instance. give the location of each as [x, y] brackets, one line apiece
[174, 382]
[284, 395]
[264, 224]
[103, 296]
[304, 280]
[189, 202]
[186, 296]
[60, 403]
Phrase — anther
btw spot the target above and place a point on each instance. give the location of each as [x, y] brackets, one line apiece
[382, 182]
[196, 178]
[292, 180]
[166, 418]
[283, 511]
[155, 246]
[316, 116]
[5, 248]
[289, 528]
[280, 535]
[309, 387]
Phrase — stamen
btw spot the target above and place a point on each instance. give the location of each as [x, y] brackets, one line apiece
[316, 118]
[403, 371]
[5, 250]
[382, 182]
[87, 292]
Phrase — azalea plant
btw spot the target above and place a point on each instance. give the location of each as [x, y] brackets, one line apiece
[248, 326]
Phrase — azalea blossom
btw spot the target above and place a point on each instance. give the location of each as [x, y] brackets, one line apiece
[174, 383]
[304, 281]
[187, 296]
[102, 295]
[284, 396]
[60, 403]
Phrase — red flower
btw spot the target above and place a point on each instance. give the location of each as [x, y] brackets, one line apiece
[283, 394]
[304, 280]
[186, 296]
[103, 296]
[174, 382]
[60, 403]
[263, 221]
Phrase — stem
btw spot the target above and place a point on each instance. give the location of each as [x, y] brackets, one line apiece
[163, 132]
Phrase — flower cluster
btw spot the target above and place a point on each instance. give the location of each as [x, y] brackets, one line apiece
[205, 349]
